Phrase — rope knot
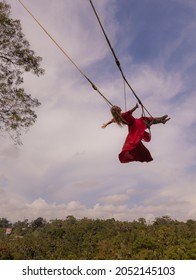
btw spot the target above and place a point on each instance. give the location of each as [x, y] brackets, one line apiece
[94, 87]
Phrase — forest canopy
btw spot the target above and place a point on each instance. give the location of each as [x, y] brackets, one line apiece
[89, 239]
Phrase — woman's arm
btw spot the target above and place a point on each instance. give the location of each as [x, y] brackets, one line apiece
[134, 108]
[106, 124]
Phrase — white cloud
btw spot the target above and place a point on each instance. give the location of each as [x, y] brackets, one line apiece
[115, 199]
[150, 210]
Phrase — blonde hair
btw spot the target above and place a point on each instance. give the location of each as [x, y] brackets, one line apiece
[116, 113]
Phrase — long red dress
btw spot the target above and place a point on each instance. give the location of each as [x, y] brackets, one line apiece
[133, 149]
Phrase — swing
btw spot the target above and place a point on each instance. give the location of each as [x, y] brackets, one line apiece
[133, 149]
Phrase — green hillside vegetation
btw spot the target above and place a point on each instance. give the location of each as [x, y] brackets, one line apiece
[88, 239]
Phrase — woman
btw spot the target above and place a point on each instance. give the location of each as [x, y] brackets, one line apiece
[133, 149]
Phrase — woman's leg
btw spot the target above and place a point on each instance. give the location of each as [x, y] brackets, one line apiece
[162, 120]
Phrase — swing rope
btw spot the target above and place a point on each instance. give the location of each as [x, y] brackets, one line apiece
[65, 54]
[118, 62]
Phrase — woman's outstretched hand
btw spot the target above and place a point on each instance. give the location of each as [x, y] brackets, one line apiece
[104, 125]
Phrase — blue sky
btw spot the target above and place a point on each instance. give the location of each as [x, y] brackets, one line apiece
[68, 165]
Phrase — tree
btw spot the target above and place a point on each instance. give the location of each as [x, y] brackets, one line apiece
[38, 223]
[4, 223]
[16, 106]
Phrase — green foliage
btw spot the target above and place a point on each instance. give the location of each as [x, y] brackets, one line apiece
[16, 57]
[4, 223]
[88, 239]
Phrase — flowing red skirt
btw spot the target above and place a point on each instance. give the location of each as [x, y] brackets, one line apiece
[139, 153]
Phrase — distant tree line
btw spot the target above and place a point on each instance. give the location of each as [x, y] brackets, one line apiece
[88, 239]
